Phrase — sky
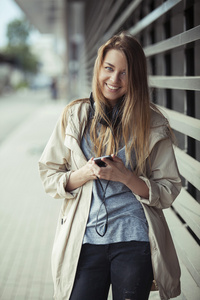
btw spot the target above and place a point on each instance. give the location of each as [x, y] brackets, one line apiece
[9, 10]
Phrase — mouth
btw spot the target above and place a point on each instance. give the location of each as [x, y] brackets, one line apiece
[112, 88]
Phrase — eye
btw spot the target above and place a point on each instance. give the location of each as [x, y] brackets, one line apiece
[123, 73]
[109, 68]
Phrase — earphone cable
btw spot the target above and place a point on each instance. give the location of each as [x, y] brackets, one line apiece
[103, 203]
[115, 147]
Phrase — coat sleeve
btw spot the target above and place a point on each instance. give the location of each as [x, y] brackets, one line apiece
[54, 165]
[164, 181]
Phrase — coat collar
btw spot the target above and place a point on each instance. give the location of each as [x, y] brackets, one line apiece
[77, 120]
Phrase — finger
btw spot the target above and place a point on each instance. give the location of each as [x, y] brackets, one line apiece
[116, 158]
[95, 166]
[107, 161]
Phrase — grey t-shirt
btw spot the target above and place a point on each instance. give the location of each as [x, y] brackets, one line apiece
[126, 218]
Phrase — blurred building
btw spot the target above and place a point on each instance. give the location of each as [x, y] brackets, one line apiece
[10, 75]
[51, 61]
[169, 32]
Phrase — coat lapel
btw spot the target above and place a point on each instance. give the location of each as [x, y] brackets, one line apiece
[73, 136]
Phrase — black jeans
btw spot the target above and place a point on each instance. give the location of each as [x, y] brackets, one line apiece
[126, 265]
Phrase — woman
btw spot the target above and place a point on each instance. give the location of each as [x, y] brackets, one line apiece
[111, 228]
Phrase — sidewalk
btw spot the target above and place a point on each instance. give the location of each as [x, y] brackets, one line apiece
[15, 108]
[28, 216]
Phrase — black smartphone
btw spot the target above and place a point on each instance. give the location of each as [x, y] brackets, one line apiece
[101, 163]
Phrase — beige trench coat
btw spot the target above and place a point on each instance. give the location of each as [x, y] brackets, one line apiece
[62, 156]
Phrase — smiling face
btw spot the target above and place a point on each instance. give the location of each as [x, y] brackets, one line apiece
[113, 76]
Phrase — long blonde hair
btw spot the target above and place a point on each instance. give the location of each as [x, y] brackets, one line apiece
[134, 127]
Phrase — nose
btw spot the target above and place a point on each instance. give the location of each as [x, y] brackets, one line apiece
[115, 77]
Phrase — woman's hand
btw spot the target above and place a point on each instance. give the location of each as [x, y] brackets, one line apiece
[87, 171]
[81, 176]
[116, 171]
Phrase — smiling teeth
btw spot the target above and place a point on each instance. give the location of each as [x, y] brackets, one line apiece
[112, 87]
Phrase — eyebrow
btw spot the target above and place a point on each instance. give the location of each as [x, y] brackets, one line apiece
[109, 64]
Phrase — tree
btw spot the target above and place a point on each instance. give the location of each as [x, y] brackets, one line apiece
[18, 32]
